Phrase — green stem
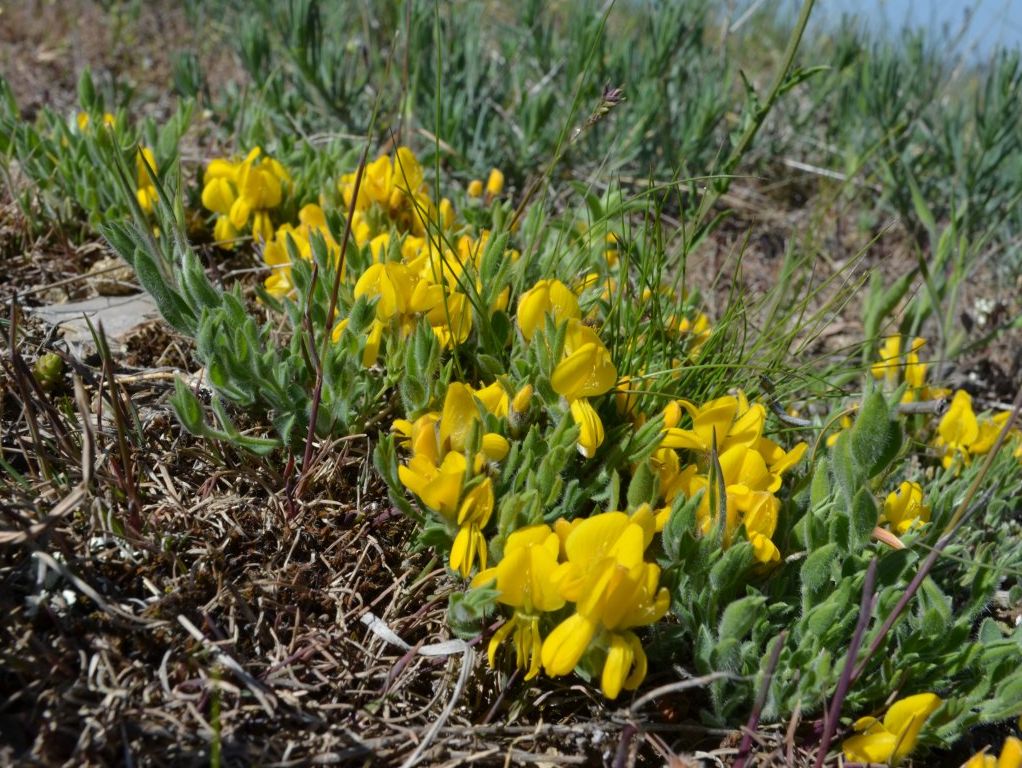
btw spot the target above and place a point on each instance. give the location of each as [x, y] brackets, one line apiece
[745, 141]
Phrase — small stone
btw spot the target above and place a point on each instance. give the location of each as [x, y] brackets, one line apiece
[112, 277]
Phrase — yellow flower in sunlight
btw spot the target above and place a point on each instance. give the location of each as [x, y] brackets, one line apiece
[1010, 757]
[392, 193]
[891, 740]
[890, 361]
[590, 428]
[961, 435]
[277, 256]
[495, 183]
[473, 515]
[146, 194]
[391, 284]
[614, 590]
[546, 297]
[243, 192]
[731, 418]
[439, 487]
[527, 579]
[586, 370]
[522, 398]
[475, 188]
[904, 508]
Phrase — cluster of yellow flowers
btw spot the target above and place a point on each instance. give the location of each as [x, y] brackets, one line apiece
[961, 435]
[898, 364]
[596, 564]
[448, 473]
[751, 467]
[421, 266]
[239, 192]
[586, 369]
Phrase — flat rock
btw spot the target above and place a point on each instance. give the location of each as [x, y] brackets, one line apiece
[119, 315]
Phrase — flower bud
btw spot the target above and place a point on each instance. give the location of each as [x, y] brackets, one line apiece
[475, 188]
[48, 369]
[495, 183]
[519, 410]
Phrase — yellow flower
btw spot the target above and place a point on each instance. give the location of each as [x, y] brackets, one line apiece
[731, 418]
[146, 194]
[276, 255]
[495, 183]
[439, 487]
[1011, 756]
[240, 192]
[890, 361]
[475, 188]
[546, 297]
[225, 234]
[522, 398]
[891, 740]
[218, 195]
[590, 434]
[473, 515]
[586, 370]
[391, 283]
[614, 590]
[391, 190]
[527, 578]
[958, 429]
[904, 509]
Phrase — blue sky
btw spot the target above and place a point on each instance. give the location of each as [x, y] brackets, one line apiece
[992, 23]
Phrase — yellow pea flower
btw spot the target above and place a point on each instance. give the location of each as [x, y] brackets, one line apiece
[473, 515]
[1010, 757]
[475, 188]
[890, 361]
[391, 283]
[527, 579]
[522, 398]
[614, 590]
[891, 740]
[218, 196]
[494, 399]
[439, 487]
[590, 435]
[146, 194]
[904, 508]
[734, 421]
[586, 370]
[958, 428]
[495, 183]
[546, 297]
[224, 233]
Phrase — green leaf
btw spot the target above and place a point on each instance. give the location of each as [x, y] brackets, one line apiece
[863, 518]
[875, 436]
[643, 486]
[740, 616]
[187, 407]
[817, 569]
[819, 489]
